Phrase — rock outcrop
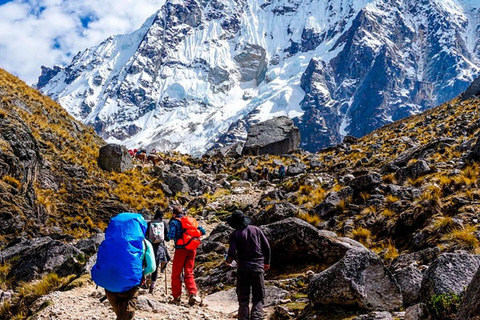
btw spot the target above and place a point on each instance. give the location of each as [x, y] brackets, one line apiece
[114, 157]
[360, 279]
[276, 136]
[296, 242]
[451, 273]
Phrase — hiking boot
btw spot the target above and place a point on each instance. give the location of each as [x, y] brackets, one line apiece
[152, 288]
[194, 299]
[175, 301]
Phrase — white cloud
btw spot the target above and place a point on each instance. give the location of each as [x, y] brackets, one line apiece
[48, 32]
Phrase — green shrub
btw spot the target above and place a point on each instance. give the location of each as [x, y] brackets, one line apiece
[444, 306]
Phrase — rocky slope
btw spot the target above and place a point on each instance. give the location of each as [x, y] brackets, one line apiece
[388, 222]
[197, 74]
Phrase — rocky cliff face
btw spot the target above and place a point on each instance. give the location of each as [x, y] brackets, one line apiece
[199, 73]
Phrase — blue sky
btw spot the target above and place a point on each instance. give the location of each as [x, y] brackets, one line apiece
[48, 32]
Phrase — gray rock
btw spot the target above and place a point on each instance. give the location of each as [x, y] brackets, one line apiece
[275, 136]
[413, 171]
[90, 246]
[296, 242]
[410, 282]
[416, 312]
[37, 258]
[149, 304]
[329, 206]
[175, 183]
[450, 273]
[366, 181]
[296, 168]
[470, 308]
[114, 157]
[279, 211]
[376, 315]
[359, 279]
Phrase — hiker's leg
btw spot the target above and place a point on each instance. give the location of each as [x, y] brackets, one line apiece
[177, 267]
[155, 273]
[243, 294]
[126, 304]
[188, 274]
[112, 298]
[258, 294]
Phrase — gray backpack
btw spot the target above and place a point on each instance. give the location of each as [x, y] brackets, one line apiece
[156, 232]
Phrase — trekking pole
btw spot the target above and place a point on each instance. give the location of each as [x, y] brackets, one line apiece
[166, 282]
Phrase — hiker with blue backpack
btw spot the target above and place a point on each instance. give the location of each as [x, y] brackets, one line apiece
[124, 258]
[185, 232]
[157, 234]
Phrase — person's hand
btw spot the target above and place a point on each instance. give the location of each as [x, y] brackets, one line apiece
[266, 267]
[227, 263]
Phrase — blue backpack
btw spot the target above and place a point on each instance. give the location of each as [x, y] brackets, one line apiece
[119, 264]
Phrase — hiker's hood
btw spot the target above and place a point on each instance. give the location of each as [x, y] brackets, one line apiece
[238, 220]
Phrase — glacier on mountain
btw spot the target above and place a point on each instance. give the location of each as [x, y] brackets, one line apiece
[198, 74]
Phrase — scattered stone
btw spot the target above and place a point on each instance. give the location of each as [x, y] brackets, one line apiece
[367, 181]
[114, 157]
[329, 206]
[359, 279]
[376, 315]
[416, 312]
[296, 168]
[414, 171]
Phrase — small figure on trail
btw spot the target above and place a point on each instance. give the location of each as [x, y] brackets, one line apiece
[250, 248]
[186, 233]
[154, 151]
[281, 173]
[157, 232]
[265, 173]
[124, 258]
[131, 152]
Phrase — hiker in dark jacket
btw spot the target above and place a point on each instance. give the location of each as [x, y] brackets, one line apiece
[161, 253]
[250, 248]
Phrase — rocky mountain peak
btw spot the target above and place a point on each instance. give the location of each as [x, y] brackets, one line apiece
[198, 74]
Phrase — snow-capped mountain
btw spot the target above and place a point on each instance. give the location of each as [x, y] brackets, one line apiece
[197, 74]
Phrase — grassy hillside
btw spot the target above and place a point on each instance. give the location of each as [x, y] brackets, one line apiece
[50, 181]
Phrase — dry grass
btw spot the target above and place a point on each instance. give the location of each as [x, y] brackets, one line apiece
[464, 238]
[391, 251]
[12, 181]
[313, 219]
[362, 235]
[390, 199]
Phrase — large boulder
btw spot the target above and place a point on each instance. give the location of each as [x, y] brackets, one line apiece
[360, 279]
[279, 211]
[114, 157]
[275, 136]
[470, 308]
[413, 171]
[296, 242]
[33, 258]
[175, 183]
[450, 273]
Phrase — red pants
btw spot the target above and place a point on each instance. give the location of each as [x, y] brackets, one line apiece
[183, 260]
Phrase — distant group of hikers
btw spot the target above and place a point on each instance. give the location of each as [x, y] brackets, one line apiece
[277, 173]
[134, 249]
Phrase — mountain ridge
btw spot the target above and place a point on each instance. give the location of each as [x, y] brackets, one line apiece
[197, 75]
